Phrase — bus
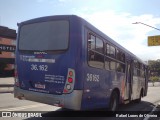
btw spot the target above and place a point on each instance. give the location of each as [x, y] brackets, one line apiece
[65, 61]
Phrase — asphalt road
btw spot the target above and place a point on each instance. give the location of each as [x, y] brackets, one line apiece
[9, 103]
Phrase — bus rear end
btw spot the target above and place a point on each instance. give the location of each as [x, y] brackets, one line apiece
[45, 63]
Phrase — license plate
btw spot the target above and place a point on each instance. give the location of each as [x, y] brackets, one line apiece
[41, 86]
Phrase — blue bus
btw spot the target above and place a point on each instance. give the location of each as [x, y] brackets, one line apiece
[65, 61]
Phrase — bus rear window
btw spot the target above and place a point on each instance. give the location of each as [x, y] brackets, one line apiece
[51, 35]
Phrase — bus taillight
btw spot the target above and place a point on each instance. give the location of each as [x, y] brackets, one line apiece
[70, 80]
[69, 85]
[70, 73]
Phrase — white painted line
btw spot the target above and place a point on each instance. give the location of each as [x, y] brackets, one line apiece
[22, 107]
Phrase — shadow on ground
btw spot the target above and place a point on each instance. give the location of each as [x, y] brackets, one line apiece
[131, 108]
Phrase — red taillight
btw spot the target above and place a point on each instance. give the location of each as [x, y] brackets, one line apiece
[69, 85]
[70, 80]
[70, 73]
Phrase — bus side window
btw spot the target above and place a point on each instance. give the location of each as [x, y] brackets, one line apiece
[107, 49]
[112, 52]
[91, 46]
[95, 52]
[107, 62]
[134, 68]
[112, 65]
[120, 56]
[120, 67]
[142, 70]
[139, 69]
[91, 42]
[99, 45]
[135, 71]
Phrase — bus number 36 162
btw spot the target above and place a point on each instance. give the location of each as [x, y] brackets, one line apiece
[39, 67]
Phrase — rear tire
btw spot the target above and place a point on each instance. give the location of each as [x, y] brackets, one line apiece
[113, 105]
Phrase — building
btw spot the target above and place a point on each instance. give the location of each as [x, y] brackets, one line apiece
[7, 51]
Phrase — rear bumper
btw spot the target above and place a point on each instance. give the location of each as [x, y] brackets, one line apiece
[70, 101]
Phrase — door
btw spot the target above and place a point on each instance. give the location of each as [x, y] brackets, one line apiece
[128, 82]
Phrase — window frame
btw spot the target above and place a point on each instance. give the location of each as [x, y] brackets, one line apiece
[95, 51]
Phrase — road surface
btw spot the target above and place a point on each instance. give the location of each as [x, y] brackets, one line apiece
[9, 103]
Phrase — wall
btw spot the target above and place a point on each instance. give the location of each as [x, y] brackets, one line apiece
[7, 49]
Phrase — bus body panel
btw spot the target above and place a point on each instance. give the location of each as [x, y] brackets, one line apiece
[97, 91]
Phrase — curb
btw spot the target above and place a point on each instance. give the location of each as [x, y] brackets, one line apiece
[6, 85]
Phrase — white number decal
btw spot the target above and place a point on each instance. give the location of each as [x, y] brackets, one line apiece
[34, 67]
[40, 67]
[92, 77]
[43, 68]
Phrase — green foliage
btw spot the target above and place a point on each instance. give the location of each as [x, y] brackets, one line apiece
[154, 78]
[154, 67]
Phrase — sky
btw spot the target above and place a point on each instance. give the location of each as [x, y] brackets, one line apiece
[115, 18]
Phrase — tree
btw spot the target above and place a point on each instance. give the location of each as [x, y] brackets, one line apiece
[154, 79]
[154, 67]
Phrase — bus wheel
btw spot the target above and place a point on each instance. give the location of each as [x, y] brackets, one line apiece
[113, 105]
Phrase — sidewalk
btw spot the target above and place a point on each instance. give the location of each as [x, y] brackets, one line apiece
[156, 84]
[9, 80]
[6, 81]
